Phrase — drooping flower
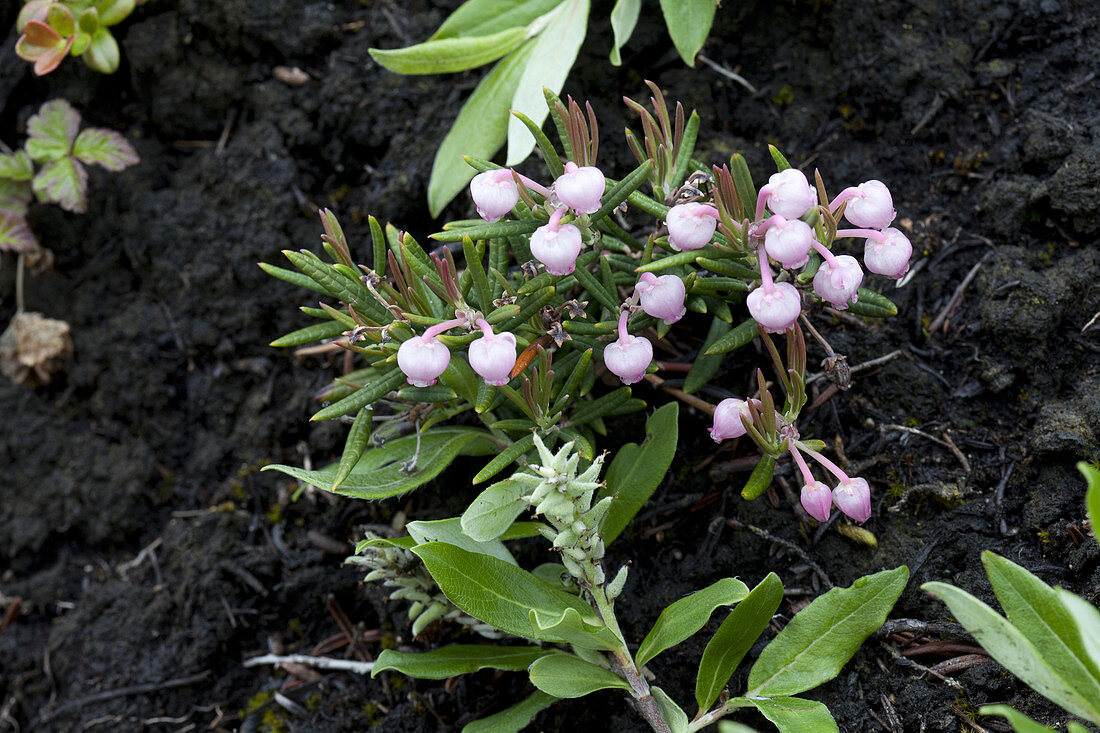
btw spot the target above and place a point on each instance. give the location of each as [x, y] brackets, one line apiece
[727, 419]
[494, 193]
[775, 308]
[888, 254]
[788, 241]
[817, 500]
[691, 226]
[787, 193]
[493, 355]
[838, 279]
[853, 497]
[869, 205]
[662, 297]
[580, 188]
[423, 358]
[557, 245]
[629, 356]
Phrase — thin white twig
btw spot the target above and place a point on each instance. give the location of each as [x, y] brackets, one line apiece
[727, 72]
[346, 665]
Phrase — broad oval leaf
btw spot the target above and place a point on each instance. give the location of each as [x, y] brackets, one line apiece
[824, 635]
[51, 131]
[494, 510]
[684, 617]
[735, 637]
[637, 471]
[63, 182]
[106, 148]
[624, 16]
[689, 23]
[457, 659]
[792, 714]
[498, 593]
[562, 675]
[449, 55]
[483, 17]
[512, 719]
[379, 473]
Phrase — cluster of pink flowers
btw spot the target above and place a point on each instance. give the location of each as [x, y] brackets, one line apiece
[851, 495]
[424, 358]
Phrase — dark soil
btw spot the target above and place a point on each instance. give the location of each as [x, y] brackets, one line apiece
[980, 115]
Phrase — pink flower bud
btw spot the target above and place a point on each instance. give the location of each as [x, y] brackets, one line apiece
[871, 206]
[690, 226]
[838, 283]
[662, 297]
[817, 500]
[494, 193]
[788, 242]
[423, 360]
[580, 188]
[556, 247]
[790, 194]
[629, 357]
[888, 255]
[493, 355]
[775, 309]
[853, 497]
[727, 419]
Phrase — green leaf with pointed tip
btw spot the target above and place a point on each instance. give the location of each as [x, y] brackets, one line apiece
[689, 23]
[563, 675]
[449, 55]
[354, 446]
[376, 389]
[484, 17]
[16, 234]
[63, 182]
[480, 129]
[624, 16]
[572, 629]
[494, 510]
[1092, 497]
[792, 714]
[498, 593]
[1020, 722]
[637, 470]
[505, 458]
[735, 637]
[309, 334]
[50, 132]
[450, 531]
[824, 635]
[449, 661]
[781, 162]
[16, 166]
[106, 148]
[740, 336]
[673, 714]
[379, 473]
[686, 616]
[512, 719]
[555, 49]
[872, 305]
[760, 478]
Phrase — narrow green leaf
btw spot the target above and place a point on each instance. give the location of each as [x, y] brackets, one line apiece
[480, 129]
[793, 714]
[728, 268]
[735, 637]
[307, 335]
[673, 714]
[622, 190]
[106, 148]
[512, 719]
[498, 593]
[688, 24]
[505, 458]
[624, 16]
[687, 147]
[338, 285]
[637, 470]
[354, 446]
[449, 661]
[51, 131]
[824, 635]
[484, 17]
[63, 182]
[450, 532]
[781, 162]
[294, 278]
[760, 478]
[597, 408]
[735, 339]
[380, 474]
[872, 305]
[742, 181]
[449, 55]
[563, 675]
[706, 365]
[1020, 722]
[491, 230]
[360, 398]
[434, 394]
[1092, 496]
[549, 154]
[684, 617]
[494, 510]
[552, 57]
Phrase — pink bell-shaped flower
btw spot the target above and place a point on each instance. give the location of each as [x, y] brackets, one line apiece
[630, 356]
[788, 242]
[870, 205]
[423, 359]
[817, 500]
[727, 419]
[838, 279]
[494, 193]
[580, 188]
[691, 226]
[888, 254]
[789, 194]
[662, 297]
[775, 309]
[557, 245]
[853, 497]
[493, 355]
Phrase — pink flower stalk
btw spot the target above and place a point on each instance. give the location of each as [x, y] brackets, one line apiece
[787, 193]
[869, 205]
[493, 355]
[816, 497]
[775, 306]
[662, 297]
[423, 358]
[494, 193]
[727, 419]
[691, 226]
[838, 279]
[629, 357]
[787, 241]
[851, 495]
[886, 252]
[557, 245]
[580, 188]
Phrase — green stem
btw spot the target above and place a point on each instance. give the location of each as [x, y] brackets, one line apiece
[713, 716]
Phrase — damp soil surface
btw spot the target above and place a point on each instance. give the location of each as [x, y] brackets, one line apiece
[148, 557]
